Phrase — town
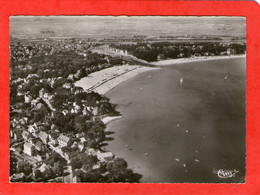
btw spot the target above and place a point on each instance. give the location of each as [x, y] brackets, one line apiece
[57, 131]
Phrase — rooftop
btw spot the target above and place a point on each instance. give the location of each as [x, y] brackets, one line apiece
[64, 138]
[43, 135]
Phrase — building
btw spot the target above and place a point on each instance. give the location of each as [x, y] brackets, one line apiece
[95, 111]
[81, 147]
[43, 168]
[64, 141]
[27, 98]
[18, 150]
[78, 90]
[29, 149]
[35, 102]
[69, 155]
[65, 112]
[106, 156]
[44, 137]
[67, 85]
[17, 135]
[231, 51]
[53, 138]
[38, 145]
[96, 118]
[23, 120]
[70, 177]
[17, 177]
[42, 92]
[25, 134]
[32, 129]
[39, 157]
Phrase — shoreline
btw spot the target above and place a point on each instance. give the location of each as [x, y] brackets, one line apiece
[104, 80]
[193, 59]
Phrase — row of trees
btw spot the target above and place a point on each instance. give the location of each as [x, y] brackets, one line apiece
[150, 52]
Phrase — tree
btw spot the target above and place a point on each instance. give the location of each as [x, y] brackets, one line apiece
[69, 127]
[24, 167]
[37, 174]
[117, 165]
[35, 90]
[96, 135]
[106, 108]
[88, 161]
[40, 73]
[13, 91]
[91, 176]
[79, 123]
[13, 164]
[47, 87]
[57, 102]
[47, 174]
[59, 83]
[57, 168]
[38, 116]
[76, 163]
[118, 172]
[81, 96]
[82, 73]
[56, 157]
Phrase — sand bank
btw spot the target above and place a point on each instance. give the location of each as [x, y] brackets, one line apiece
[193, 59]
[108, 119]
[104, 80]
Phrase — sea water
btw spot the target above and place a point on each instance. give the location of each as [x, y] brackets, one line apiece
[173, 133]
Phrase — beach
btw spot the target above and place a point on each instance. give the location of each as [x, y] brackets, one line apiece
[104, 80]
[193, 59]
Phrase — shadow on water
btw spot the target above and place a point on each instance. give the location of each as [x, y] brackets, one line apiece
[109, 138]
[103, 144]
[109, 133]
[137, 176]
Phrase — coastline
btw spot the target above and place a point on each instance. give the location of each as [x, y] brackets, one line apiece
[194, 59]
[104, 80]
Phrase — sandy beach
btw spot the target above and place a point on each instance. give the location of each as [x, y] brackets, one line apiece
[105, 80]
[108, 119]
[194, 59]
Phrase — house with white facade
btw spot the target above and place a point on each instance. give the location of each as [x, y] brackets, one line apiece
[29, 149]
[64, 141]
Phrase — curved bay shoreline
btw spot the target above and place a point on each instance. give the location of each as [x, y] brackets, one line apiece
[139, 133]
[104, 80]
[119, 79]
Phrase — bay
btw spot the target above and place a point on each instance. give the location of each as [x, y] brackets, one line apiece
[174, 134]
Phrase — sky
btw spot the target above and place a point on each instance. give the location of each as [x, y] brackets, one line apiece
[107, 26]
